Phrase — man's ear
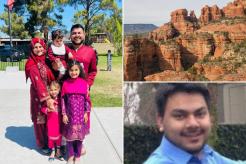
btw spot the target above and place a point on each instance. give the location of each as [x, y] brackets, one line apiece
[160, 123]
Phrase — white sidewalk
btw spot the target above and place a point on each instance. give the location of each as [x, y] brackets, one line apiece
[104, 145]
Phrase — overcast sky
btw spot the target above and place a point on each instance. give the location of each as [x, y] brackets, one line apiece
[158, 11]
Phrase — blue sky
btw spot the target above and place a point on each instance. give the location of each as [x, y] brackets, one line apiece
[158, 11]
[67, 15]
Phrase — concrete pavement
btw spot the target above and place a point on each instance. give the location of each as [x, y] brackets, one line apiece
[104, 145]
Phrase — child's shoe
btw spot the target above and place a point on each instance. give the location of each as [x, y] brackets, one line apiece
[51, 159]
[60, 157]
[52, 156]
[45, 150]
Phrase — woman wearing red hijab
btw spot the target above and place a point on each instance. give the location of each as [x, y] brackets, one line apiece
[40, 76]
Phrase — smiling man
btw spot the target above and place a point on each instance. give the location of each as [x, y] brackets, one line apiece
[183, 114]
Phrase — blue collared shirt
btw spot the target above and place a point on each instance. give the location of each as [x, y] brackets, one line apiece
[168, 153]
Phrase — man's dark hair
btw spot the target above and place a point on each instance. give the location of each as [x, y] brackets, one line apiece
[77, 26]
[164, 91]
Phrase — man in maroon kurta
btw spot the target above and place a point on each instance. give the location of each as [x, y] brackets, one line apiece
[82, 53]
[86, 55]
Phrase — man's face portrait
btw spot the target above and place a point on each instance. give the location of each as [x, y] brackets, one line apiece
[77, 36]
[186, 121]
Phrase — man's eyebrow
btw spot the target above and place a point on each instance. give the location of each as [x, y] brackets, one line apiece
[180, 110]
[200, 109]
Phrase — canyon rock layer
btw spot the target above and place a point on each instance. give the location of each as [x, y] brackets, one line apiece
[211, 47]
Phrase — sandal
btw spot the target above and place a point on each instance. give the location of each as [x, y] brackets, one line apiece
[51, 159]
[60, 157]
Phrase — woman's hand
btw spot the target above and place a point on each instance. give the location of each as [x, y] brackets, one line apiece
[65, 119]
[85, 117]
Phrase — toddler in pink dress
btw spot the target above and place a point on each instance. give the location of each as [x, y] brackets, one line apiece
[53, 122]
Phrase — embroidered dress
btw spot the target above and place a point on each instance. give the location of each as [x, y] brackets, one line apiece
[40, 75]
[74, 105]
[87, 56]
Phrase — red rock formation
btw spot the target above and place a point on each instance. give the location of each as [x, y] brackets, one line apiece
[169, 76]
[140, 58]
[182, 22]
[221, 40]
[235, 9]
[170, 57]
[197, 44]
[181, 44]
[210, 13]
[236, 31]
[163, 33]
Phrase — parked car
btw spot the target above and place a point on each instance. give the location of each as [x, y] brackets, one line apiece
[10, 54]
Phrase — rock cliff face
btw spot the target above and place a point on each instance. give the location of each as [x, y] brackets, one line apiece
[209, 48]
[210, 14]
[182, 22]
[140, 59]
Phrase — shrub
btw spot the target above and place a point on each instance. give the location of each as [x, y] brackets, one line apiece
[139, 142]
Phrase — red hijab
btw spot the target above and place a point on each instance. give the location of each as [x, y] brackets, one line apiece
[33, 59]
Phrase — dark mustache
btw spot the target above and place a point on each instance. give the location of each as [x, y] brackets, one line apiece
[192, 131]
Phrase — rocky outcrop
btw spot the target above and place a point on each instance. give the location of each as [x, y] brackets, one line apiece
[163, 33]
[170, 57]
[235, 9]
[182, 22]
[236, 30]
[210, 14]
[221, 39]
[169, 76]
[209, 48]
[140, 58]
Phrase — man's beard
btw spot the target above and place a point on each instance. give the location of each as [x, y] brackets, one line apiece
[75, 43]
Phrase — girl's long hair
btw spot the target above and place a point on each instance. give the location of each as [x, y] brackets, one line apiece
[70, 64]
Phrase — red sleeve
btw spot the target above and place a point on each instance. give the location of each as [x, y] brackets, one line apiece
[39, 85]
[92, 70]
[51, 55]
[44, 110]
[67, 49]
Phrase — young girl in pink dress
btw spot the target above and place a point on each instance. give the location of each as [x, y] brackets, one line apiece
[75, 105]
[53, 122]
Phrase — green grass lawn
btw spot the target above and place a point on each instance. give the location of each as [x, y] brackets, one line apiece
[20, 64]
[107, 88]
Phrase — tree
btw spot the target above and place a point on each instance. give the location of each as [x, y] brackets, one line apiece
[39, 13]
[91, 13]
[17, 24]
[113, 27]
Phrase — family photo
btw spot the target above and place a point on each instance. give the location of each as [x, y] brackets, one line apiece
[62, 62]
[123, 81]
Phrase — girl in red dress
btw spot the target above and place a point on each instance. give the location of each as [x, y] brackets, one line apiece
[40, 76]
[53, 122]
